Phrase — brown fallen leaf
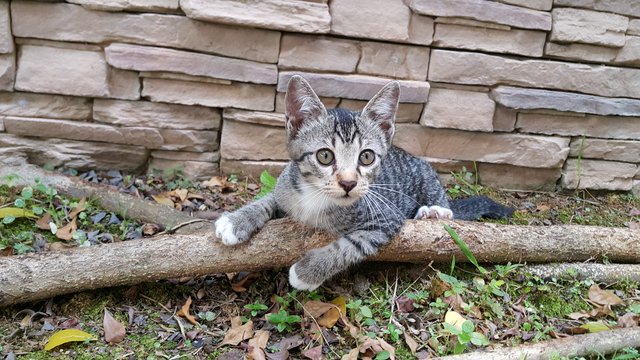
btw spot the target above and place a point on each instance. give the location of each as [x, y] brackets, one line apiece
[255, 353]
[316, 309]
[184, 312]
[405, 304]
[78, 209]
[542, 208]
[629, 320]
[578, 315]
[43, 222]
[150, 229]
[411, 343]
[260, 339]
[238, 332]
[242, 280]
[315, 353]
[163, 199]
[66, 232]
[215, 181]
[114, 331]
[438, 287]
[603, 297]
[370, 347]
[180, 194]
[352, 355]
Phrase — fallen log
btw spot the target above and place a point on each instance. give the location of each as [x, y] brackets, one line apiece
[281, 242]
[604, 273]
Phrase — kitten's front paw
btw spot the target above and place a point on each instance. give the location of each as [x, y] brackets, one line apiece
[434, 212]
[225, 231]
[298, 283]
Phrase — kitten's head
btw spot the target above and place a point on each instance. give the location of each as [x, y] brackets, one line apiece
[338, 152]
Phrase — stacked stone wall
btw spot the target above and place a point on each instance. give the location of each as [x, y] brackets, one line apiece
[530, 94]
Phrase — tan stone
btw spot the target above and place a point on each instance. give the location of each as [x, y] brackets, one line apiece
[420, 29]
[129, 5]
[480, 69]
[544, 5]
[590, 27]
[504, 119]
[437, 85]
[186, 155]
[76, 154]
[183, 77]
[246, 141]
[634, 27]
[71, 72]
[286, 15]
[196, 170]
[630, 53]
[362, 18]
[605, 149]
[598, 175]
[255, 117]
[156, 115]
[251, 168]
[6, 40]
[495, 148]
[239, 95]
[147, 58]
[520, 42]
[518, 177]
[581, 52]
[46, 106]
[58, 44]
[359, 87]
[472, 23]
[318, 53]
[328, 102]
[67, 22]
[624, 7]
[455, 109]
[484, 11]
[407, 112]
[592, 125]
[189, 140]
[393, 60]
[74, 130]
[7, 71]
[449, 166]
[526, 99]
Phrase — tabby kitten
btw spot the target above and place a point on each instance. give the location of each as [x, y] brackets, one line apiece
[345, 177]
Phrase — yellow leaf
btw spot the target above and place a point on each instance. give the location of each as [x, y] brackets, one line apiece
[65, 336]
[341, 303]
[594, 326]
[162, 199]
[16, 212]
[454, 319]
[184, 312]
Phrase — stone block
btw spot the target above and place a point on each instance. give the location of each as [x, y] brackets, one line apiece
[544, 5]
[7, 71]
[598, 175]
[1, 124]
[46, 106]
[624, 7]
[407, 112]
[504, 119]
[147, 58]
[328, 102]
[246, 141]
[189, 140]
[634, 27]
[212, 156]
[359, 87]
[72, 72]
[6, 40]
[581, 52]
[528, 99]
[481, 10]
[155, 115]
[255, 117]
[448, 166]
[251, 168]
[605, 149]
[394, 60]
[471, 23]
[318, 53]
[514, 41]
[592, 126]
[130, 5]
[518, 177]
[285, 15]
[196, 170]
[361, 18]
[629, 54]
[496, 148]
[239, 95]
[183, 77]
[589, 27]
[457, 109]
[79, 155]
[481, 69]
[68, 22]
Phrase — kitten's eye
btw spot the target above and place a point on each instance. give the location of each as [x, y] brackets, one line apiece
[367, 157]
[325, 156]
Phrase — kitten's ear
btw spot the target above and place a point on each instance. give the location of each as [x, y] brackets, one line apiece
[382, 108]
[301, 105]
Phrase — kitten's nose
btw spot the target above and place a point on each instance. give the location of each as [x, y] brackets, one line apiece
[347, 185]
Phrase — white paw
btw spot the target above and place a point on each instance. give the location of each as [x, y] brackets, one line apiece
[434, 212]
[224, 231]
[297, 283]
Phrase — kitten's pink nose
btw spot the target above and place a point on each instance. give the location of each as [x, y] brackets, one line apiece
[347, 185]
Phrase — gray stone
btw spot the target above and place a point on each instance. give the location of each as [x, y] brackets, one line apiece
[328, 102]
[480, 69]
[286, 15]
[484, 11]
[504, 119]
[189, 140]
[394, 60]
[634, 27]
[129, 5]
[598, 175]
[518, 177]
[407, 112]
[1, 124]
[544, 5]
[581, 52]
[624, 7]
[495, 148]
[196, 170]
[186, 155]
[147, 58]
[589, 27]
[255, 117]
[471, 23]
[592, 126]
[246, 141]
[46, 106]
[251, 168]
[526, 99]
[359, 87]
[318, 53]
[239, 95]
[514, 41]
[67, 22]
[183, 77]
[630, 53]
[605, 149]
[7, 71]
[156, 115]
[456, 109]
[6, 40]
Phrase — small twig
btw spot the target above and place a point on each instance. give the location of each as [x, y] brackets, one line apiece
[393, 298]
[178, 226]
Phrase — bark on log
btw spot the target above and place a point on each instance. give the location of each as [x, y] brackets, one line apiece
[281, 242]
[605, 342]
[605, 273]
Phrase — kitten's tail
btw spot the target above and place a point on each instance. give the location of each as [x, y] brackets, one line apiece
[476, 207]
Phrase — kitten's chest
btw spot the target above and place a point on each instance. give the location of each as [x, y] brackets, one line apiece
[309, 207]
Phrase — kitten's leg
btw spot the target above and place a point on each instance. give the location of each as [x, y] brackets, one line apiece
[437, 205]
[320, 264]
[238, 226]
[434, 212]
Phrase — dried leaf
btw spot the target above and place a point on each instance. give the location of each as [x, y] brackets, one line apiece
[65, 336]
[114, 331]
[78, 209]
[386, 346]
[629, 320]
[260, 339]
[238, 332]
[454, 319]
[149, 229]
[578, 315]
[315, 353]
[316, 309]
[242, 280]
[338, 307]
[542, 208]
[405, 304]
[603, 297]
[438, 287]
[43, 222]
[66, 232]
[594, 326]
[180, 194]
[352, 355]
[163, 199]
[411, 342]
[215, 181]
[184, 312]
